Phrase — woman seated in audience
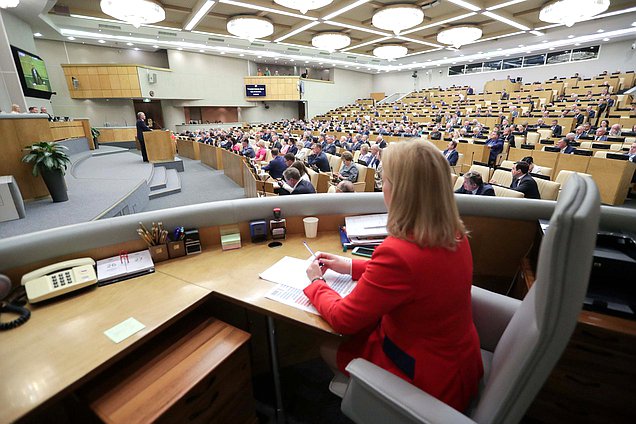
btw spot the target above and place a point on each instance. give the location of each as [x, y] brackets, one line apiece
[410, 312]
[348, 170]
[261, 153]
[532, 168]
[365, 154]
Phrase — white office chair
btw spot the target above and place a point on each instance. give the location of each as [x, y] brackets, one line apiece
[521, 340]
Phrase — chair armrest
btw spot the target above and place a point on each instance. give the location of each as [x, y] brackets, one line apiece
[491, 314]
[374, 395]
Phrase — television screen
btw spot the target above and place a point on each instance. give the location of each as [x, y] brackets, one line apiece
[33, 75]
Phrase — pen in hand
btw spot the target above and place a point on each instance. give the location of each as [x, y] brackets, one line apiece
[312, 253]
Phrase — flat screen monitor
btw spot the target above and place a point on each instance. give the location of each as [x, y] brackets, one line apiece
[32, 73]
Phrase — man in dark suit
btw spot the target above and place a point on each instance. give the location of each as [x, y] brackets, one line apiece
[141, 128]
[579, 117]
[247, 150]
[276, 166]
[523, 182]
[556, 128]
[292, 177]
[507, 137]
[564, 145]
[474, 184]
[496, 146]
[451, 154]
[318, 159]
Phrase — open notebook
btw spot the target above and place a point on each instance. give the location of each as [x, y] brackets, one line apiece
[118, 268]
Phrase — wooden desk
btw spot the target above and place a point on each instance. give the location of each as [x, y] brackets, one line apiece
[189, 149]
[63, 345]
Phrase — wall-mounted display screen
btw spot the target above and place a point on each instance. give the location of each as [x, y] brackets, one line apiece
[33, 75]
[256, 90]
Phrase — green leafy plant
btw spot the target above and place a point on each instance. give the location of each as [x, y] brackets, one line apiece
[48, 155]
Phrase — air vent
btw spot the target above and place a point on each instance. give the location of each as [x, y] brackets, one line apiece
[293, 49]
[220, 40]
[375, 61]
[324, 54]
[106, 26]
[351, 57]
[257, 45]
[169, 34]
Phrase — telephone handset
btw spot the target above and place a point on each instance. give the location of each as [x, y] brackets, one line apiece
[58, 279]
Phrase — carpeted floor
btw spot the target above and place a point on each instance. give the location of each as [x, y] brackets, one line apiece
[199, 184]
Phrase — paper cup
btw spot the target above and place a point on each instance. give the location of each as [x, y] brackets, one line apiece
[311, 226]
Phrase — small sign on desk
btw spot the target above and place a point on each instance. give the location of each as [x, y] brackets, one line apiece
[124, 329]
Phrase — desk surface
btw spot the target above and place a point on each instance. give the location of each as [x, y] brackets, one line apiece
[63, 345]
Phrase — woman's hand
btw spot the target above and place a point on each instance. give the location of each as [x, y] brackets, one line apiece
[337, 263]
[314, 270]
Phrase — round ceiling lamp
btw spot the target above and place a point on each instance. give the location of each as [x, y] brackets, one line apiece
[459, 35]
[8, 3]
[331, 41]
[390, 51]
[398, 17]
[134, 12]
[303, 5]
[569, 12]
[250, 27]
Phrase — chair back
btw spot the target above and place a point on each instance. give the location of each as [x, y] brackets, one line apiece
[549, 190]
[533, 138]
[484, 171]
[507, 164]
[564, 177]
[507, 192]
[541, 327]
[502, 177]
[601, 154]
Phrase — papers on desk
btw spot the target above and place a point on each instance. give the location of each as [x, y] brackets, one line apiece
[122, 267]
[366, 229]
[290, 278]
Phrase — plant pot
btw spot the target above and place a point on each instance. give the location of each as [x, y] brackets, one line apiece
[54, 180]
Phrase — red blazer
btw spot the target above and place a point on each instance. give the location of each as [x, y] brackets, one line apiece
[411, 315]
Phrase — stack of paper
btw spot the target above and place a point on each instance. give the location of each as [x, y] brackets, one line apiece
[366, 229]
[290, 276]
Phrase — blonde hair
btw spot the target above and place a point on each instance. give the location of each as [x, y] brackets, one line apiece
[423, 208]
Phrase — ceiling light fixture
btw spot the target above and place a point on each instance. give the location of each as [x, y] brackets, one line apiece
[134, 12]
[331, 41]
[390, 51]
[71, 38]
[37, 34]
[569, 12]
[205, 8]
[398, 17]
[459, 36]
[303, 5]
[8, 3]
[250, 27]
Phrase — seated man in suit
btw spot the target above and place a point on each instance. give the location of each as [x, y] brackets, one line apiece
[247, 150]
[496, 146]
[451, 154]
[556, 128]
[474, 184]
[330, 146]
[298, 185]
[601, 134]
[435, 134]
[318, 159]
[277, 165]
[564, 145]
[523, 182]
[508, 137]
[632, 153]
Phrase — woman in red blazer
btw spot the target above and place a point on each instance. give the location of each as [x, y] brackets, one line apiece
[410, 312]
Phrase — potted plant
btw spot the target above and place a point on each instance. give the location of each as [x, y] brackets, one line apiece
[50, 161]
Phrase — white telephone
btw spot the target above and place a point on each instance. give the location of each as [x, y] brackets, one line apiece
[58, 279]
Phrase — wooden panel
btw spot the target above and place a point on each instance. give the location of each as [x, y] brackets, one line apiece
[159, 146]
[571, 163]
[613, 178]
[276, 88]
[188, 149]
[103, 81]
[546, 159]
[211, 156]
[233, 166]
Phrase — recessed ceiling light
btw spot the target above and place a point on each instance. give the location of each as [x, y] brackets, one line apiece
[488, 58]
[570, 36]
[222, 52]
[101, 41]
[357, 67]
[600, 30]
[520, 45]
[37, 34]
[544, 41]
[129, 44]
[259, 57]
[136, 48]
[606, 39]
[179, 48]
[201, 51]
[577, 44]
[320, 63]
[479, 52]
[155, 47]
[551, 48]
[445, 57]
[71, 38]
[470, 60]
[242, 55]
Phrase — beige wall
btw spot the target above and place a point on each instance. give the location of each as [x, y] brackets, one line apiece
[346, 88]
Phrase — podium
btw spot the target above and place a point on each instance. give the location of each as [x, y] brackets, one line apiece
[159, 146]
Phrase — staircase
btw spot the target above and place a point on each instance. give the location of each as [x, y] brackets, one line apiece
[392, 98]
[164, 182]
